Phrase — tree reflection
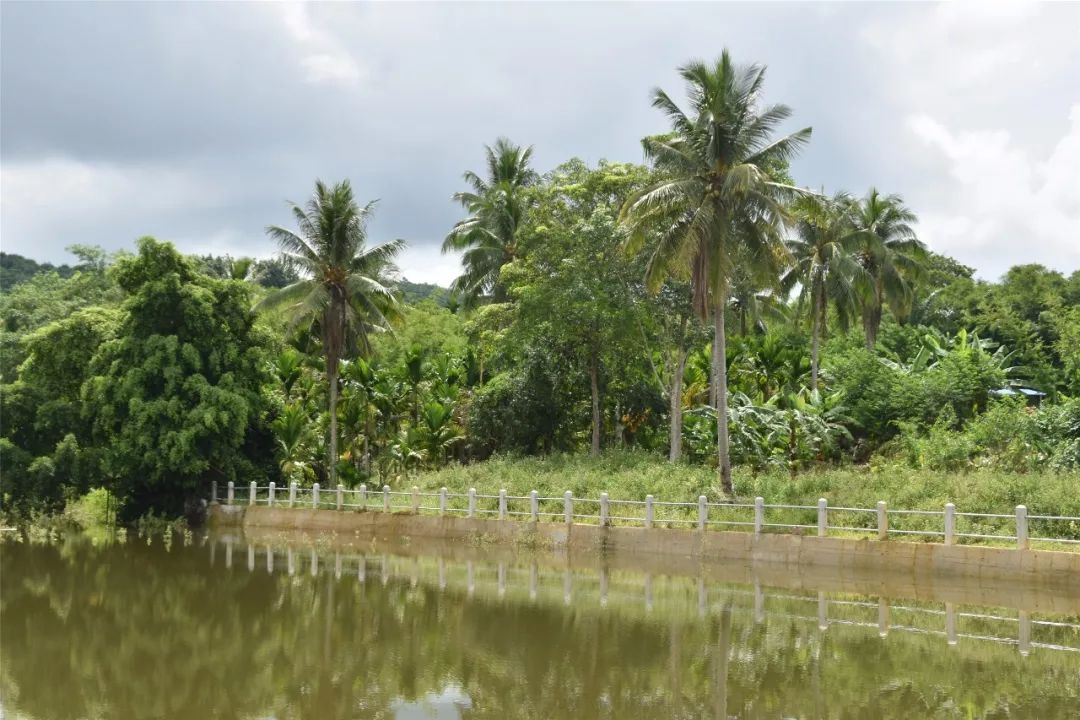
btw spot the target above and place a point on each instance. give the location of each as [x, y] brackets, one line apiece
[135, 631]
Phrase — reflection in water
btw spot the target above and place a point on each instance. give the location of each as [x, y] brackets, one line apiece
[282, 631]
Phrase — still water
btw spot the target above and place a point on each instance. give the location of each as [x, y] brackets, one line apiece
[211, 627]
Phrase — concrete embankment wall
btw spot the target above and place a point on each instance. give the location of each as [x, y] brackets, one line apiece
[916, 564]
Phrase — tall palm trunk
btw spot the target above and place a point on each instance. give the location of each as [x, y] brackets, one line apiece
[331, 374]
[594, 381]
[719, 371]
[675, 452]
[872, 318]
[815, 338]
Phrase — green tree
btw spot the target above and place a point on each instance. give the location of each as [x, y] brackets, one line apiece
[824, 266]
[497, 207]
[717, 203]
[175, 397]
[346, 292]
[891, 256]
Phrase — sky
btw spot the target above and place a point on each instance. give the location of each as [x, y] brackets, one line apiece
[197, 122]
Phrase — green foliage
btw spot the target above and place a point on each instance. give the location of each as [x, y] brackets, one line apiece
[175, 396]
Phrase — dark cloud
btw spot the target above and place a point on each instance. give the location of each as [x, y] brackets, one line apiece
[195, 121]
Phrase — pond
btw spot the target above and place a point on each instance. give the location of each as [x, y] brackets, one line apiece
[292, 627]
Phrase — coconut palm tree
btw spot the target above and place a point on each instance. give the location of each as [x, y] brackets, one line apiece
[891, 255]
[824, 265]
[345, 292]
[496, 207]
[716, 206]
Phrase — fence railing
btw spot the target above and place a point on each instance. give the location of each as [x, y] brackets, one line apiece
[883, 615]
[880, 522]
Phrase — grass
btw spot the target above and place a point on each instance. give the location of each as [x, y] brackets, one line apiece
[631, 475]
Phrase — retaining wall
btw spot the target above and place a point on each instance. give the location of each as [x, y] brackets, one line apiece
[918, 564]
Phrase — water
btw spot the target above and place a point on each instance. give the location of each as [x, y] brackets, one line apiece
[301, 628]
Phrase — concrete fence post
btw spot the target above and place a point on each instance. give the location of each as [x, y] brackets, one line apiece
[415, 500]
[950, 524]
[340, 497]
[702, 512]
[292, 494]
[568, 507]
[442, 500]
[649, 512]
[534, 506]
[822, 517]
[315, 496]
[386, 498]
[502, 504]
[1021, 527]
[363, 496]
[472, 502]
[759, 515]
[252, 492]
[231, 493]
[882, 521]
[603, 509]
[213, 492]
[270, 496]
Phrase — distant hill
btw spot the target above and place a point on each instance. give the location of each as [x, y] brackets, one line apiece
[413, 293]
[15, 269]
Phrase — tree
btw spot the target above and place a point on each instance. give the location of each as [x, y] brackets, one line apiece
[717, 202]
[890, 255]
[824, 265]
[497, 207]
[174, 399]
[346, 292]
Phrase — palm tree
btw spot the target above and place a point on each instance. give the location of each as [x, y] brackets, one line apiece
[344, 293]
[716, 205]
[496, 207]
[891, 255]
[824, 265]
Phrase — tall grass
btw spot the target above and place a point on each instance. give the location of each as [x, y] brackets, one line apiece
[631, 475]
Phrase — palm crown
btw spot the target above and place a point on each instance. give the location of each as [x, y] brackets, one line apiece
[497, 208]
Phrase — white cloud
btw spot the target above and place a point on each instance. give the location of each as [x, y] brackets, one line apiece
[324, 60]
[1002, 202]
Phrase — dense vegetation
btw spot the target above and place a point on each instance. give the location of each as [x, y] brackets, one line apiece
[608, 307]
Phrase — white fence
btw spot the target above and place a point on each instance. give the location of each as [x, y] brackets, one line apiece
[882, 522]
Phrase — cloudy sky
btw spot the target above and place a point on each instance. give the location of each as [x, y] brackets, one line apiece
[195, 122]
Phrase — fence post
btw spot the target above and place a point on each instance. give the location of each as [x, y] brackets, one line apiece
[472, 502]
[252, 491]
[213, 492]
[568, 507]
[230, 490]
[270, 496]
[292, 494]
[950, 524]
[759, 515]
[882, 521]
[603, 509]
[534, 506]
[315, 496]
[822, 517]
[648, 511]
[340, 497]
[502, 504]
[415, 500]
[386, 498]
[702, 512]
[1021, 528]
[442, 501]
